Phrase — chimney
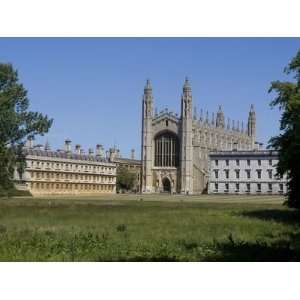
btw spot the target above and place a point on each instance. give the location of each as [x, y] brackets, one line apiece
[77, 149]
[132, 154]
[30, 141]
[99, 151]
[68, 145]
[112, 154]
[39, 147]
[235, 146]
[91, 152]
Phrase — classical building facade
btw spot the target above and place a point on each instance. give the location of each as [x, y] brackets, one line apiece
[65, 171]
[175, 149]
[240, 172]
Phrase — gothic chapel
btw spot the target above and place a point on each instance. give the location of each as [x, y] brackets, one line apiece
[175, 148]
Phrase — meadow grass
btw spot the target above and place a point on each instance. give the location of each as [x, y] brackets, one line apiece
[148, 228]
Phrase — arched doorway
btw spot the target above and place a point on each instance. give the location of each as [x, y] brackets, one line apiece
[166, 185]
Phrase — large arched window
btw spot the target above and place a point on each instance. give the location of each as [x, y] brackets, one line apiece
[166, 150]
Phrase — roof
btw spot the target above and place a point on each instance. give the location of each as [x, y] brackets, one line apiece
[63, 154]
[244, 153]
[129, 161]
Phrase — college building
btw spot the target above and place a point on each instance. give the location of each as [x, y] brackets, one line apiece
[245, 172]
[187, 153]
[65, 171]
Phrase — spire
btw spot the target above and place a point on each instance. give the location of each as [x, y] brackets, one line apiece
[228, 123]
[47, 146]
[220, 122]
[207, 120]
[251, 113]
[201, 115]
[251, 117]
[213, 119]
[186, 83]
[195, 113]
[233, 127]
[148, 100]
[148, 89]
[187, 87]
[186, 101]
[148, 86]
[252, 124]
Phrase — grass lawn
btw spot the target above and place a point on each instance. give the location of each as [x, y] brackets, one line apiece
[149, 228]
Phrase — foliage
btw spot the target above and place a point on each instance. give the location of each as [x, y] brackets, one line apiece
[121, 227]
[288, 141]
[109, 229]
[16, 123]
[13, 192]
[125, 179]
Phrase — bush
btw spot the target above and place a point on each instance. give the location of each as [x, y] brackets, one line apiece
[121, 227]
[14, 193]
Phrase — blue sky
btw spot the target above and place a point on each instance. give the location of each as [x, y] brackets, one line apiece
[93, 87]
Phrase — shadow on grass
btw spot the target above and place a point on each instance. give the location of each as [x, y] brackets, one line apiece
[287, 249]
[259, 251]
[158, 258]
[278, 215]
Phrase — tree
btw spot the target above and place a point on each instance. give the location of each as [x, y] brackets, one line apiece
[16, 123]
[288, 141]
[125, 179]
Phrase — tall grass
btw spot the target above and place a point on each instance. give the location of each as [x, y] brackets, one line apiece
[155, 229]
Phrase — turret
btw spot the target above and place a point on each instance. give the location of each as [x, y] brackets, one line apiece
[146, 151]
[148, 100]
[186, 100]
[186, 139]
[252, 126]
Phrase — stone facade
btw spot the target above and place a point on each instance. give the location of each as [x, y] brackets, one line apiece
[240, 172]
[66, 172]
[175, 149]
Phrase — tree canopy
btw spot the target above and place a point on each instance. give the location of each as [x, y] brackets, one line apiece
[288, 141]
[125, 179]
[16, 123]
